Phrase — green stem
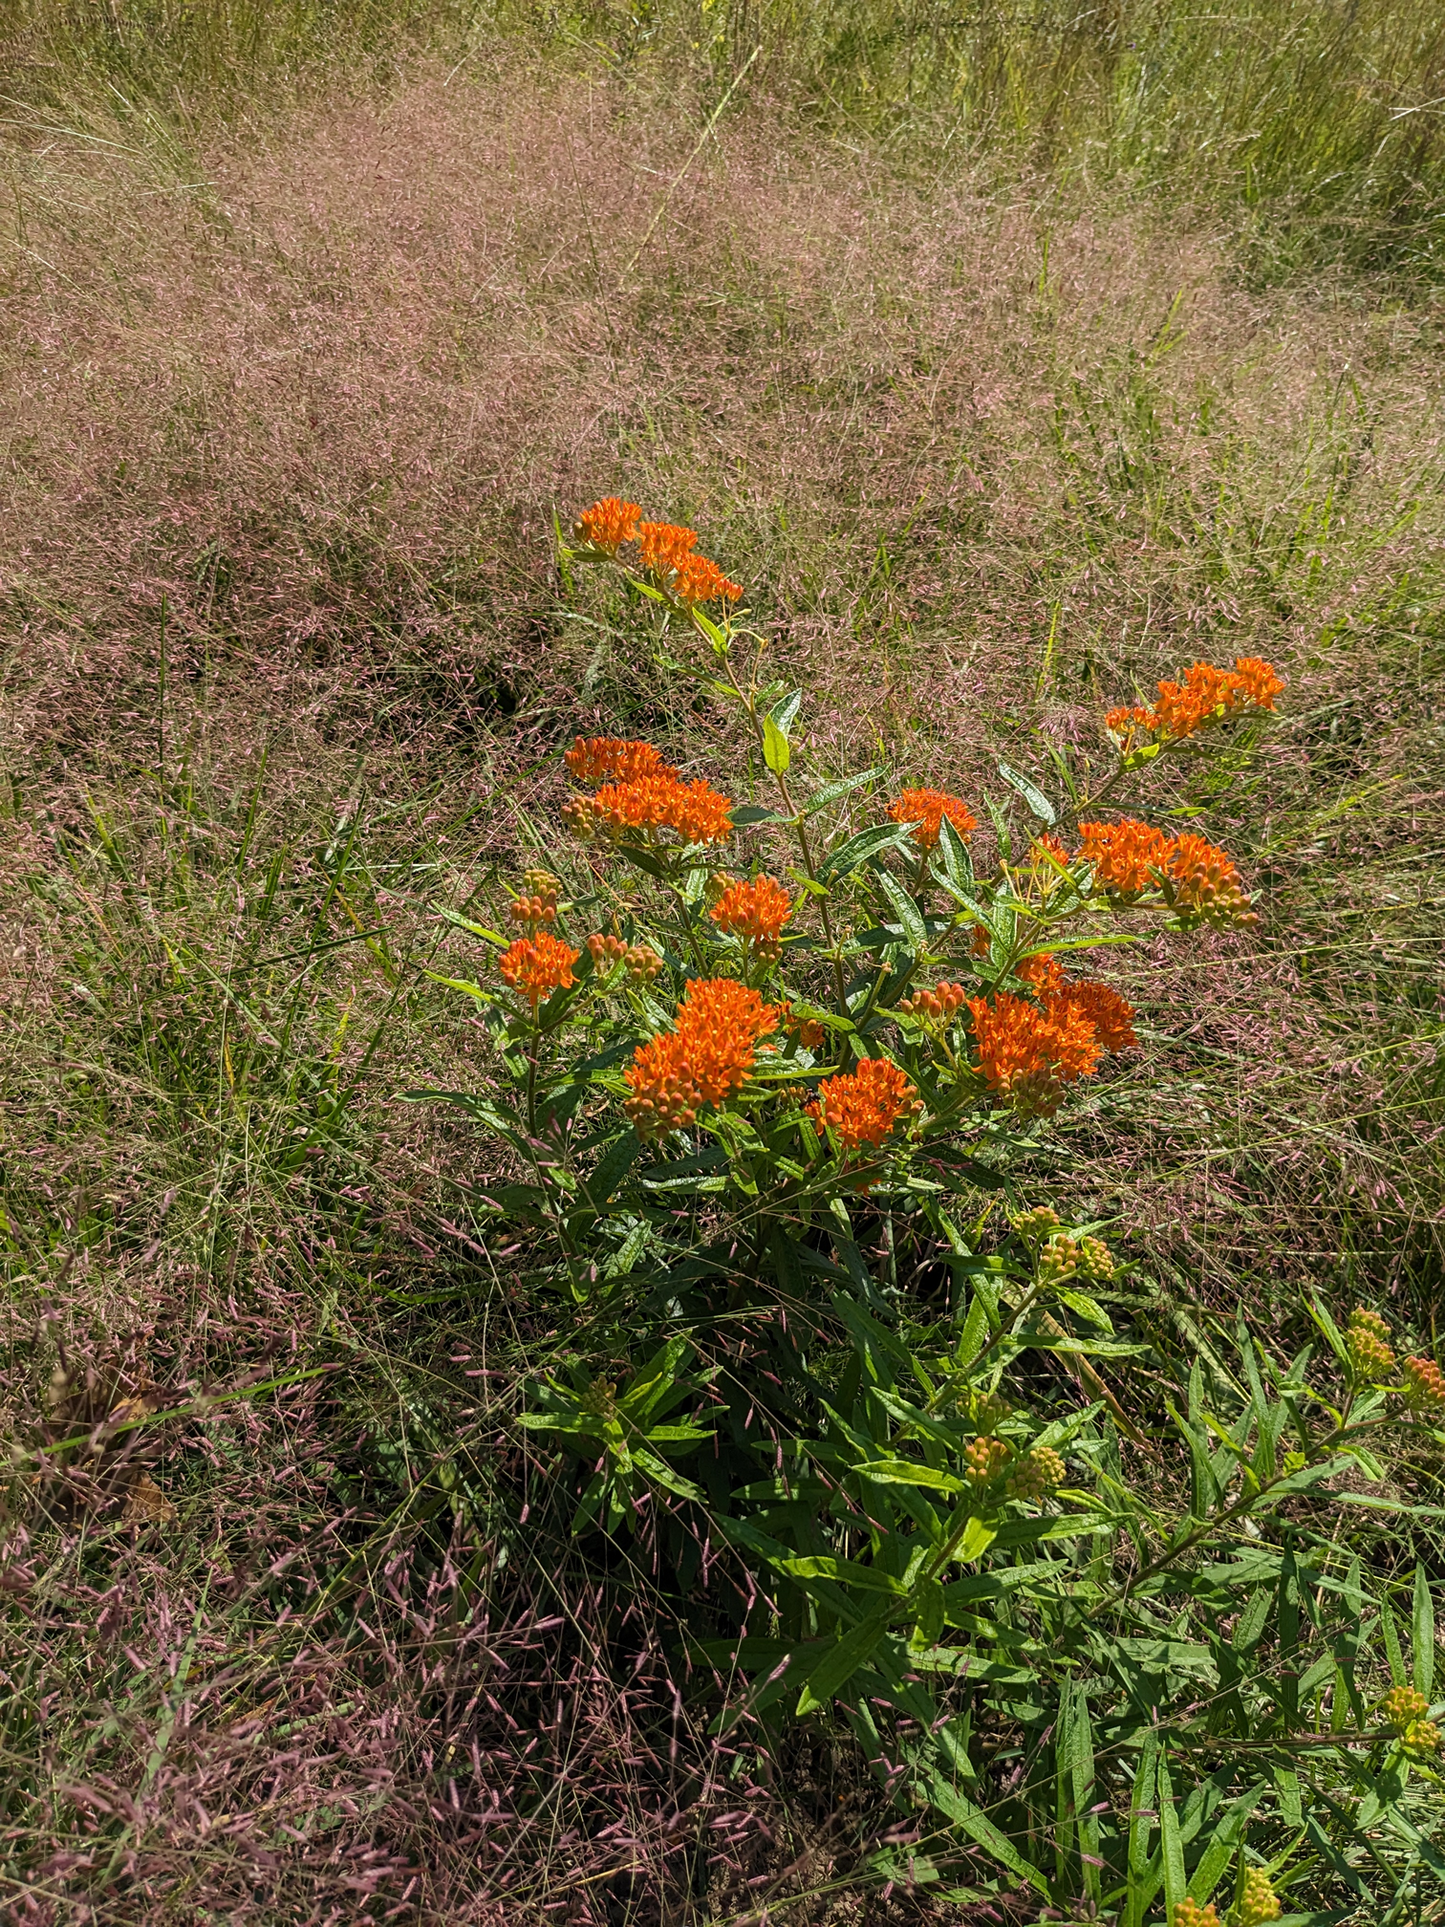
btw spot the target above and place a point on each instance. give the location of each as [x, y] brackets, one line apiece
[1243, 1505]
[1029, 1300]
[689, 935]
[809, 868]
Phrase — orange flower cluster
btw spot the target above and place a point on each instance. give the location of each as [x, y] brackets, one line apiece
[1204, 883]
[924, 810]
[1198, 880]
[608, 524]
[609, 759]
[755, 911]
[1029, 1052]
[695, 811]
[646, 795]
[1206, 694]
[537, 966]
[1126, 720]
[863, 1106]
[666, 551]
[667, 555]
[1111, 1015]
[806, 1031]
[1123, 855]
[1043, 974]
[697, 580]
[664, 546]
[938, 1004]
[705, 1059]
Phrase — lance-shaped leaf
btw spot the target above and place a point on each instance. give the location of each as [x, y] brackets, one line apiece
[1042, 808]
[906, 910]
[841, 1661]
[848, 856]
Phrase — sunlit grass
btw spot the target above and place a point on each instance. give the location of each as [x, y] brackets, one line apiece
[1007, 361]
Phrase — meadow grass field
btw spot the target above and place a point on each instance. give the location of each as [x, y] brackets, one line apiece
[1011, 359]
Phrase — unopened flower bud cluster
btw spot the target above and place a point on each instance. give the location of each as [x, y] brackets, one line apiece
[937, 1005]
[1405, 1709]
[1259, 1902]
[984, 1460]
[643, 965]
[1367, 1340]
[1065, 1257]
[1036, 1473]
[1372, 1359]
[1189, 1913]
[538, 901]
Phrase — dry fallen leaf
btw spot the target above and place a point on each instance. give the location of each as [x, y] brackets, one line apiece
[147, 1505]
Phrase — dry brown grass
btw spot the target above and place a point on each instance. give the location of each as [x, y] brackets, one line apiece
[327, 405]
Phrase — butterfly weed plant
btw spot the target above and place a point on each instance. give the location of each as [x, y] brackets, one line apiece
[769, 1082]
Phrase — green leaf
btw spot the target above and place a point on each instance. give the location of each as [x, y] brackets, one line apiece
[958, 1808]
[1086, 1307]
[1171, 1842]
[975, 1330]
[784, 714]
[776, 753]
[978, 1536]
[467, 988]
[905, 1472]
[473, 929]
[1141, 1810]
[830, 792]
[1078, 1763]
[611, 1168]
[1222, 1843]
[842, 1572]
[846, 858]
[1249, 1629]
[1000, 827]
[1287, 1785]
[480, 1108]
[749, 814]
[1089, 1347]
[655, 1379]
[907, 912]
[716, 636]
[1392, 1645]
[645, 860]
[953, 855]
[1042, 808]
[1423, 1633]
[1331, 1331]
[842, 1660]
[928, 1611]
[1060, 760]
[1204, 1488]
